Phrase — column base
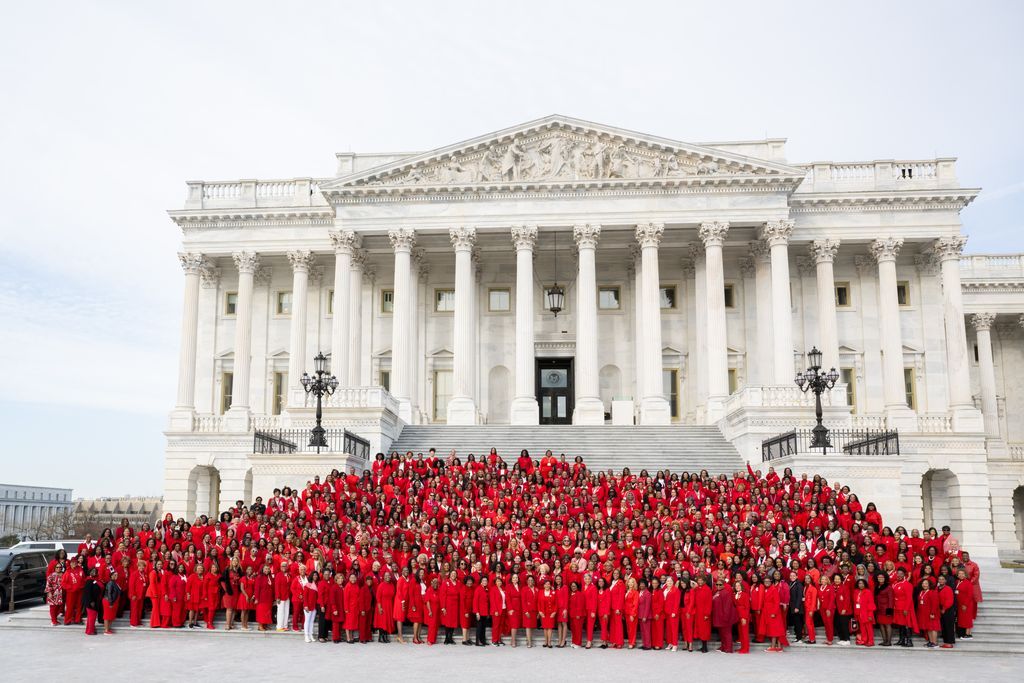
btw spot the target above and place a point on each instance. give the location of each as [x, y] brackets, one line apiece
[966, 419]
[181, 420]
[525, 411]
[901, 418]
[588, 411]
[237, 419]
[404, 410]
[461, 411]
[654, 410]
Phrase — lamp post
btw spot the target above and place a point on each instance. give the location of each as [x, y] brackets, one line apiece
[319, 385]
[818, 381]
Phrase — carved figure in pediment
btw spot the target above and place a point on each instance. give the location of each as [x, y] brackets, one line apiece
[557, 159]
[672, 166]
[707, 168]
[619, 162]
[577, 160]
[487, 166]
[510, 161]
[533, 166]
[598, 157]
[454, 171]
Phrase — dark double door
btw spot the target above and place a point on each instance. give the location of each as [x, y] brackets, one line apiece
[555, 390]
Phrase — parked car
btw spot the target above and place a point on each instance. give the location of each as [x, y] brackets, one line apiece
[70, 546]
[24, 573]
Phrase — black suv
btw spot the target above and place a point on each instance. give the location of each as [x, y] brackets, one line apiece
[25, 573]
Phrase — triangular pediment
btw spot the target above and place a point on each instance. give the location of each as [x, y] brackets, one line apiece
[559, 151]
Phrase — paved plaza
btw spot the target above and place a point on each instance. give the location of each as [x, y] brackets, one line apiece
[36, 654]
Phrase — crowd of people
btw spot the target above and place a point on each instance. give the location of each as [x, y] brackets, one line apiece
[487, 552]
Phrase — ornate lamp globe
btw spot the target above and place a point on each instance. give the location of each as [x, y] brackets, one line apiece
[814, 358]
[556, 298]
[320, 363]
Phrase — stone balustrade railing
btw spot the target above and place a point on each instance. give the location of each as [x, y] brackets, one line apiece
[867, 421]
[880, 175]
[991, 265]
[362, 397]
[934, 424]
[239, 194]
[208, 423]
[782, 397]
[1016, 452]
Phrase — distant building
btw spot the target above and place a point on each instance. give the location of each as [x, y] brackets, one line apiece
[110, 511]
[23, 509]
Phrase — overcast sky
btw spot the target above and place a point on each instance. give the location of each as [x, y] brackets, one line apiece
[108, 108]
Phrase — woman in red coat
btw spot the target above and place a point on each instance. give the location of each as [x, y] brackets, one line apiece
[702, 612]
[632, 611]
[498, 605]
[482, 610]
[771, 612]
[756, 601]
[827, 607]
[195, 594]
[864, 611]
[604, 611]
[415, 612]
[547, 606]
[449, 595]
[310, 596]
[884, 607]
[336, 606]
[351, 597]
[176, 596]
[904, 610]
[671, 612]
[366, 609]
[742, 597]
[966, 607]
[466, 608]
[383, 618]
[618, 598]
[528, 605]
[514, 613]
[401, 602]
[156, 592]
[138, 582]
[73, 583]
[246, 589]
[928, 614]
[432, 610]
[810, 607]
[658, 615]
[263, 599]
[211, 592]
[577, 613]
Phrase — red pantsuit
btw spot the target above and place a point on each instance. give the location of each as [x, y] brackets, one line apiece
[672, 616]
[632, 614]
[743, 610]
[432, 604]
[658, 619]
[618, 591]
[590, 604]
[810, 607]
[827, 610]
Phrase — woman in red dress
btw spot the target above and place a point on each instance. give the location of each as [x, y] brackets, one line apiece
[632, 611]
[383, 618]
[702, 600]
[528, 602]
[904, 611]
[401, 602]
[547, 605]
[604, 611]
[771, 612]
[928, 613]
[498, 605]
[450, 595]
[577, 612]
[263, 599]
[671, 612]
[351, 597]
[246, 589]
[415, 610]
[336, 606]
[514, 613]
[562, 609]
[966, 607]
[466, 607]
[864, 611]
[742, 596]
[884, 607]
[432, 610]
[756, 601]
[827, 607]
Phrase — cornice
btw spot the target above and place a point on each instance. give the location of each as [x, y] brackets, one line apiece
[205, 219]
[907, 200]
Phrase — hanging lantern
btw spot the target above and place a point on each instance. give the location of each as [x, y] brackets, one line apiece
[556, 298]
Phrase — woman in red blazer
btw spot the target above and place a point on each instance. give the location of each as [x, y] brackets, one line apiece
[827, 607]
[482, 610]
[547, 606]
[928, 614]
[466, 598]
[432, 607]
[562, 609]
[618, 605]
[657, 615]
[604, 611]
[528, 605]
[742, 596]
[499, 604]
[632, 611]
[450, 595]
[671, 611]
[771, 611]
[263, 599]
[514, 607]
[577, 612]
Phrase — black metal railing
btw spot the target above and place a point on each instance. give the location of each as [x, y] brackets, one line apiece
[297, 441]
[850, 442]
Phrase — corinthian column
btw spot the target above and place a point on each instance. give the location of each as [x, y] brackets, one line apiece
[524, 405]
[355, 318]
[987, 373]
[762, 257]
[824, 253]
[654, 408]
[345, 242]
[193, 265]
[301, 262]
[588, 408]
[238, 415]
[898, 414]
[462, 407]
[776, 234]
[402, 240]
[964, 416]
[713, 236]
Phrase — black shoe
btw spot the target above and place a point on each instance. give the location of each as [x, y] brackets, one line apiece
[604, 646]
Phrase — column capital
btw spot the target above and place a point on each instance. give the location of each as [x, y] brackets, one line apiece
[886, 248]
[524, 237]
[688, 266]
[635, 253]
[823, 251]
[649, 234]
[261, 277]
[949, 248]
[983, 321]
[805, 265]
[777, 232]
[925, 264]
[712, 233]
[359, 258]
[246, 261]
[865, 265]
[696, 251]
[747, 266]
[193, 263]
[586, 235]
[463, 238]
[345, 241]
[402, 239]
[760, 251]
[302, 260]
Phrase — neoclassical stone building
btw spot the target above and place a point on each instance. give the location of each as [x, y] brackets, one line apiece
[694, 277]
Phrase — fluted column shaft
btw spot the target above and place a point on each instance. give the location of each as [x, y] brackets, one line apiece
[654, 408]
[824, 253]
[462, 407]
[355, 317]
[987, 372]
[345, 241]
[713, 235]
[885, 252]
[525, 410]
[700, 293]
[588, 408]
[948, 250]
[763, 303]
[414, 331]
[776, 234]
[638, 322]
[247, 263]
[301, 262]
[402, 240]
[193, 265]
